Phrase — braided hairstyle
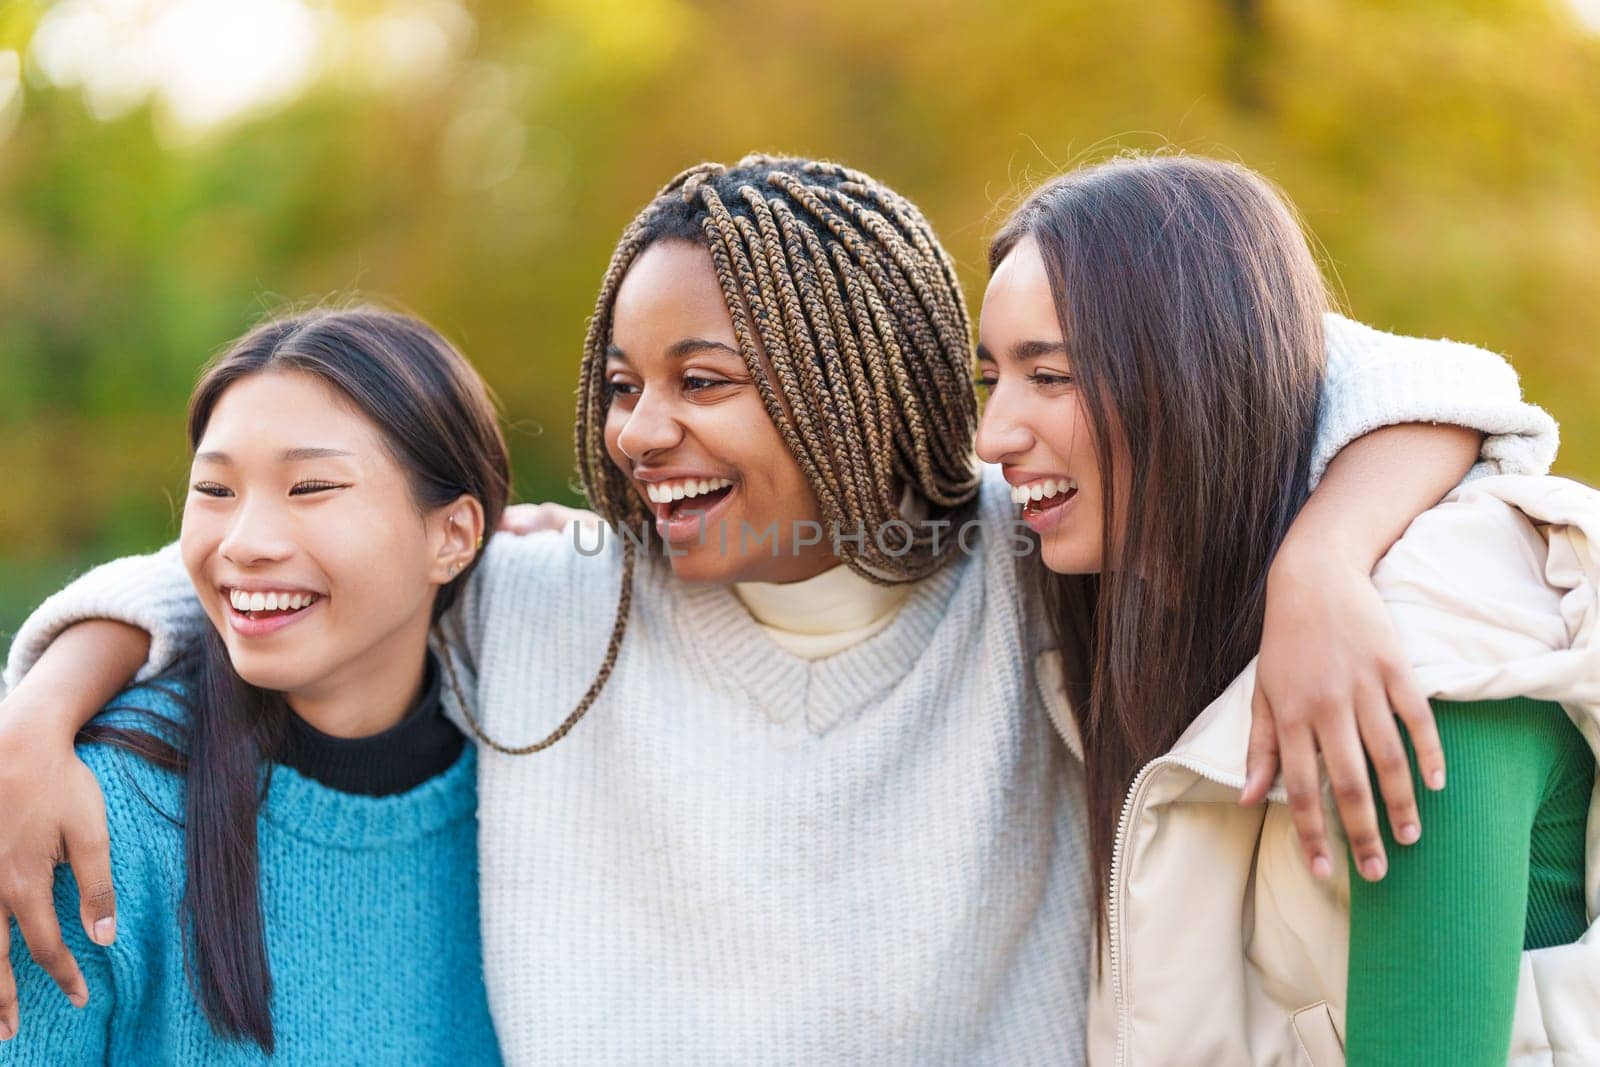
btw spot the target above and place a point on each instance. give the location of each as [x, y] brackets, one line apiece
[855, 304]
[844, 285]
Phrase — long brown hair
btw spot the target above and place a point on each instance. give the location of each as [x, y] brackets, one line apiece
[1191, 308]
[439, 422]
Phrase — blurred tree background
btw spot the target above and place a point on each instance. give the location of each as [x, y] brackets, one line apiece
[170, 170]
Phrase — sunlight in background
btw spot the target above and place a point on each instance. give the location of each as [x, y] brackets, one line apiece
[10, 91]
[1588, 12]
[206, 63]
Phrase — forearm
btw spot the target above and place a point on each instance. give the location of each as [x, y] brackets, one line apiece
[80, 671]
[1374, 488]
[1435, 948]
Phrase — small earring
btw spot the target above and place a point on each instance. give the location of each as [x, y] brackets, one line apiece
[480, 540]
[455, 568]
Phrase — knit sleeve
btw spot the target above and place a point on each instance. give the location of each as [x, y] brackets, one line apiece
[52, 1031]
[151, 592]
[1435, 947]
[1377, 379]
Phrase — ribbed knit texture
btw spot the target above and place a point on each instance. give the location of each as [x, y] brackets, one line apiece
[371, 914]
[422, 745]
[1435, 948]
[741, 856]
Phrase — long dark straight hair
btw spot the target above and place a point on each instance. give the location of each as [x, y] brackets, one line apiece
[1191, 308]
[439, 422]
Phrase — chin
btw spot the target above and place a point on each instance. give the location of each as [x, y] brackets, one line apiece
[1071, 558]
[279, 672]
[704, 565]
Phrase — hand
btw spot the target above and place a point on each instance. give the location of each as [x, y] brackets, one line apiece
[54, 811]
[1333, 676]
[537, 518]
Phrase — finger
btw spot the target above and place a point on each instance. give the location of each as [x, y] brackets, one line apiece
[90, 855]
[1387, 754]
[1304, 786]
[1261, 754]
[36, 918]
[8, 981]
[1345, 763]
[1405, 696]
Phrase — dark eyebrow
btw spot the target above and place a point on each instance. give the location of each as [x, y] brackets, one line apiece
[690, 345]
[293, 455]
[684, 348]
[1027, 351]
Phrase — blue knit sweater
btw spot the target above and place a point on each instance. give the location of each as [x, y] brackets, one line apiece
[370, 906]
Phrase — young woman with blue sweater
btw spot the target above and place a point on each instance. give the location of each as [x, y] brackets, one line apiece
[795, 799]
[295, 849]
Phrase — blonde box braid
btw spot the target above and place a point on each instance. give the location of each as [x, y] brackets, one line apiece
[843, 286]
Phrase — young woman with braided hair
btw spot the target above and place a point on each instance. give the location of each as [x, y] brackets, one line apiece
[808, 807]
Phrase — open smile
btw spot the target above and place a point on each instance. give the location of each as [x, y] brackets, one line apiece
[684, 507]
[258, 613]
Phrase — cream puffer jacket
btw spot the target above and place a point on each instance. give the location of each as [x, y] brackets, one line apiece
[1222, 947]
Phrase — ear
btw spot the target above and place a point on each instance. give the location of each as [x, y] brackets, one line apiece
[456, 532]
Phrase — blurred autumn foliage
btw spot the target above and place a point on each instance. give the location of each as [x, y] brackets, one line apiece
[170, 170]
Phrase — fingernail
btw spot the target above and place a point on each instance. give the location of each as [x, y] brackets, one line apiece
[7, 1031]
[1408, 833]
[78, 999]
[1372, 868]
[1436, 780]
[1322, 868]
[105, 931]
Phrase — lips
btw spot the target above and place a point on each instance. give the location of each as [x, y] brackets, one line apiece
[686, 520]
[1046, 513]
[258, 613]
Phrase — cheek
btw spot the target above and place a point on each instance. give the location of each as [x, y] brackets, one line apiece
[198, 540]
[373, 560]
[615, 421]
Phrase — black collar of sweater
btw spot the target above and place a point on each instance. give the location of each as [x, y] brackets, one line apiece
[420, 746]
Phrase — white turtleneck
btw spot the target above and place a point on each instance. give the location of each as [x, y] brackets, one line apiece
[822, 615]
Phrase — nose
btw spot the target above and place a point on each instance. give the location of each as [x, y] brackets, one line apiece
[652, 426]
[257, 533]
[1002, 433]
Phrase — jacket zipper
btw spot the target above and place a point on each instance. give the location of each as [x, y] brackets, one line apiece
[1113, 916]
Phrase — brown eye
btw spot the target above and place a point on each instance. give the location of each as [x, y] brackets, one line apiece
[211, 489]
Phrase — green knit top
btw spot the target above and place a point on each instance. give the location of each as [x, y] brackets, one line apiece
[1435, 947]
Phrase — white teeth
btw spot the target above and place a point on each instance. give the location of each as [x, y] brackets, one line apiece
[285, 601]
[1042, 490]
[666, 492]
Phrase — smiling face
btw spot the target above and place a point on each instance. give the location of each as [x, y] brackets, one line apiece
[686, 424]
[304, 542]
[1035, 425]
